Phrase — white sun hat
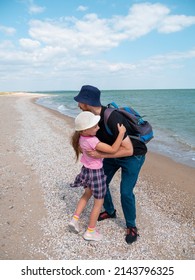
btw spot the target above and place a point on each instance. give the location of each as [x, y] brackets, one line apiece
[86, 120]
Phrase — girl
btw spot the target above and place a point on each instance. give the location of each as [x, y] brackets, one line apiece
[92, 175]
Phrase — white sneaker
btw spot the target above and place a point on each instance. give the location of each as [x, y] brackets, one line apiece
[74, 225]
[92, 236]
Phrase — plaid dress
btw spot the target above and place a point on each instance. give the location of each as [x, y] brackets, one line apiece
[95, 179]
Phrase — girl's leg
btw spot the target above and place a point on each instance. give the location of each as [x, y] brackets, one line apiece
[74, 224]
[92, 233]
[95, 212]
[83, 201]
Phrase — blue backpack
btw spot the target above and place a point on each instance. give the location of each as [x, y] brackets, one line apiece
[141, 128]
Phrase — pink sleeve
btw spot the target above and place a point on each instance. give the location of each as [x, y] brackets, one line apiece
[94, 141]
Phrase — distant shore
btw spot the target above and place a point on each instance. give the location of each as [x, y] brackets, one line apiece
[37, 167]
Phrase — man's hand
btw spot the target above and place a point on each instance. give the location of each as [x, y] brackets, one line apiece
[94, 154]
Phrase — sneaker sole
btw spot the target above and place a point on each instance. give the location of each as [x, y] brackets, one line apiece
[73, 229]
[102, 219]
[90, 239]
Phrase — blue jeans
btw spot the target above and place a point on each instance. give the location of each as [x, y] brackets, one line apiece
[130, 168]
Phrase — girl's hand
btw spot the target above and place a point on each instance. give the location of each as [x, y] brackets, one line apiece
[121, 128]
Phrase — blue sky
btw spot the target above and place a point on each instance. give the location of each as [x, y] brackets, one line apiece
[111, 44]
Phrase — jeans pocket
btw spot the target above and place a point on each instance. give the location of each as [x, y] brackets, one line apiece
[139, 158]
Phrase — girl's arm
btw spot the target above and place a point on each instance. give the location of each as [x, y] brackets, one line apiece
[126, 149]
[105, 148]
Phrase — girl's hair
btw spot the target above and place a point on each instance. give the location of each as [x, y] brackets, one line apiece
[75, 143]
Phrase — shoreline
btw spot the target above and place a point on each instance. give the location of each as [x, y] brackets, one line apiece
[173, 150]
[38, 159]
[187, 170]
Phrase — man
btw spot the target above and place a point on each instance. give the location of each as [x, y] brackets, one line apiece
[129, 158]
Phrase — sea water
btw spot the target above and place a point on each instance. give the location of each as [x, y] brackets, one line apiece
[170, 112]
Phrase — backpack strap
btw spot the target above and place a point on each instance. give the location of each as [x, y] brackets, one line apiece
[107, 114]
[112, 105]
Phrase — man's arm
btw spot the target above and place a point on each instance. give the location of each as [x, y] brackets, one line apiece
[126, 149]
[111, 149]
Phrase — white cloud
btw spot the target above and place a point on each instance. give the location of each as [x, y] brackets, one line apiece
[57, 59]
[141, 19]
[176, 23]
[71, 45]
[6, 44]
[29, 44]
[79, 38]
[33, 8]
[91, 34]
[146, 17]
[47, 65]
[82, 8]
[166, 61]
[118, 67]
[7, 30]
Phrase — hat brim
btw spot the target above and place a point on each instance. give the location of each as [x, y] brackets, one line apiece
[87, 101]
[92, 123]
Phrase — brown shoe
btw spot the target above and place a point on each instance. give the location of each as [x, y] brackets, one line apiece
[104, 215]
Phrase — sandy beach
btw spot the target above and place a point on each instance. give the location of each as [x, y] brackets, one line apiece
[37, 164]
